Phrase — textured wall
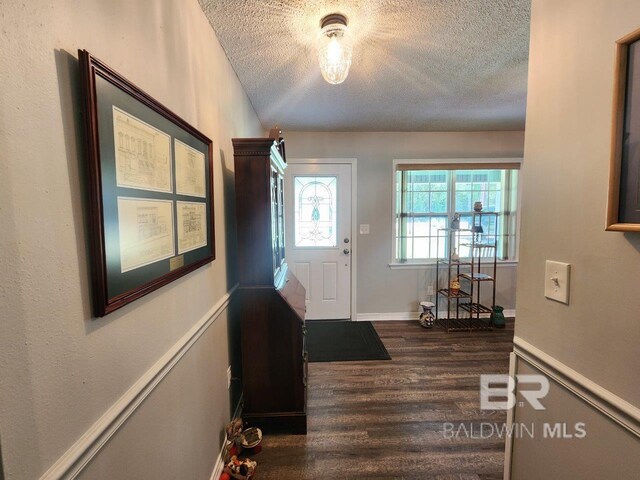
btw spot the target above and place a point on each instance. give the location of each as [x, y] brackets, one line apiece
[566, 173]
[61, 369]
[381, 289]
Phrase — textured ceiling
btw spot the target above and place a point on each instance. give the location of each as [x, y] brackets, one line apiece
[420, 65]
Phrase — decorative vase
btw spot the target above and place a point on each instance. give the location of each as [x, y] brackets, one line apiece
[427, 317]
[455, 257]
[455, 222]
[477, 207]
[454, 287]
[497, 317]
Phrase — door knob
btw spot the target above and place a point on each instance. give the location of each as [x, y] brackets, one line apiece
[346, 240]
[346, 251]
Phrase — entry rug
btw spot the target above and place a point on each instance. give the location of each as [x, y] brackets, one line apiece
[343, 341]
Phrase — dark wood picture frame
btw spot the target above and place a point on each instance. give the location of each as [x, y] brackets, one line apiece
[104, 91]
[623, 210]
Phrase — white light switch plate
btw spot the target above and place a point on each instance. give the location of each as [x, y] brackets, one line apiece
[364, 229]
[557, 280]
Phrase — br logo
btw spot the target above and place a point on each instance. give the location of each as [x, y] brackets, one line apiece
[503, 387]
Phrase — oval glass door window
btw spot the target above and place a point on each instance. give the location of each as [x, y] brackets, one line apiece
[315, 211]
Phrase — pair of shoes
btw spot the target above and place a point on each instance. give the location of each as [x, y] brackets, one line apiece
[240, 469]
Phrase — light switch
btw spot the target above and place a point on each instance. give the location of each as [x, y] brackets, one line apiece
[364, 229]
[556, 282]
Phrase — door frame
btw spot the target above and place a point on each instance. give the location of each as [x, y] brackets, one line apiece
[354, 220]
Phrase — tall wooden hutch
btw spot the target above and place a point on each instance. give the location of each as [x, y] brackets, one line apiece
[271, 299]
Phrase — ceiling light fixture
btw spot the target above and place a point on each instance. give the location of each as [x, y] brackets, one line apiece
[335, 48]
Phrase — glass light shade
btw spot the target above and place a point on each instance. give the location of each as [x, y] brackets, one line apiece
[334, 53]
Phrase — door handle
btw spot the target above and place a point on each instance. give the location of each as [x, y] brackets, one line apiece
[346, 251]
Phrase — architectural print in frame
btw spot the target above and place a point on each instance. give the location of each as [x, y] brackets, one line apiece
[623, 213]
[190, 171]
[151, 190]
[143, 154]
[146, 231]
[192, 222]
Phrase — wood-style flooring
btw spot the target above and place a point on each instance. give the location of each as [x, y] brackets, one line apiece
[384, 419]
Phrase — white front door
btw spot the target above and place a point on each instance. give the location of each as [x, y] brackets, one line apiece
[318, 235]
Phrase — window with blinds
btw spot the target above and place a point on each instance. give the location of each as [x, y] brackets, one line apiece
[428, 195]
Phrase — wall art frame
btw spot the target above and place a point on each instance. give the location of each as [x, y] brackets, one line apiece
[623, 210]
[151, 211]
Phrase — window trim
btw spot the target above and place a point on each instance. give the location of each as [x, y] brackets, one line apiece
[443, 163]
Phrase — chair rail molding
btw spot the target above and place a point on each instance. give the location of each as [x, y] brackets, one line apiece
[74, 460]
[608, 403]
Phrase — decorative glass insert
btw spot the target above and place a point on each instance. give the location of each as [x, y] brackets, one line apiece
[315, 211]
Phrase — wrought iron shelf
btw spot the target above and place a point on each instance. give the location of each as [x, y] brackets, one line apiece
[477, 277]
[446, 292]
[479, 245]
[464, 324]
[454, 324]
[481, 324]
[467, 230]
[453, 263]
[475, 308]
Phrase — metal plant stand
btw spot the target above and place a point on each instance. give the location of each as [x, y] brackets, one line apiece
[464, 309]
[455, 318]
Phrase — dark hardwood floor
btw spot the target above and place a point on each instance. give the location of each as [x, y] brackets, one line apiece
[384, 419]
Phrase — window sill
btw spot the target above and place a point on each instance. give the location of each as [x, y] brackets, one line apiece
[429, 265]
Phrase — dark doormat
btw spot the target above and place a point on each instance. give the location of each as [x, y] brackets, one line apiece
[343, 341]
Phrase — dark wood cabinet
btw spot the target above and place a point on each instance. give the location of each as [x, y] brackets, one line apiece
[271, 299]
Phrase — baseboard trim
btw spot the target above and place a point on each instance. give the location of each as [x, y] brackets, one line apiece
[508, 444]
[217, 469]
[389, 317]
[609, 404]
[404, 316]
[219, 465]
[73, 461]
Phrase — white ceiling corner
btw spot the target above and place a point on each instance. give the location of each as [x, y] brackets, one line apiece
[418, 65]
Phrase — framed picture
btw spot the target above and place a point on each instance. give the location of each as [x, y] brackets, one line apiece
[150, 187]
[623, 212]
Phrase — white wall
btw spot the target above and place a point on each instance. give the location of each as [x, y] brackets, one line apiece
[381, 289]
[61, 368]
[566, 171]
